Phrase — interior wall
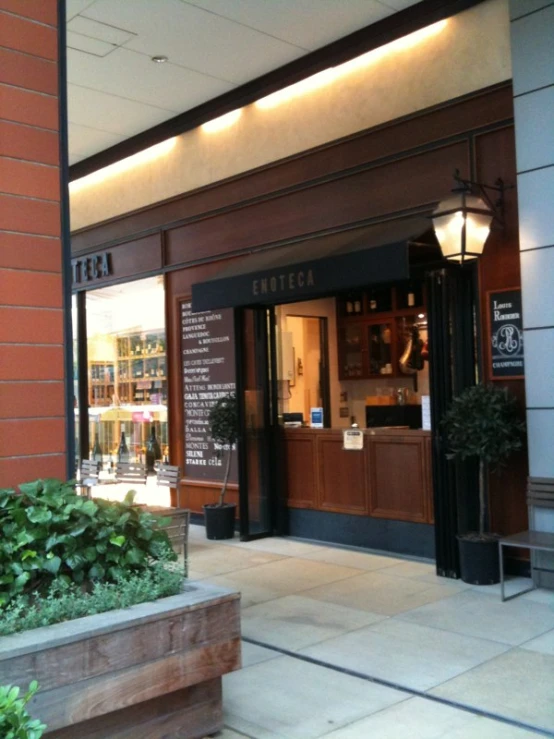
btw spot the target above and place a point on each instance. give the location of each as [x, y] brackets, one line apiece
[471, 52]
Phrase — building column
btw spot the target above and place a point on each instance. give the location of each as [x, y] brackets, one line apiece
[532, 33]
[32, 324]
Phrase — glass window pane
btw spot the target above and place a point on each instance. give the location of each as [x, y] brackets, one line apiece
[127, 373]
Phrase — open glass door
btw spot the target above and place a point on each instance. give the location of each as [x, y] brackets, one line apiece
[257, 409]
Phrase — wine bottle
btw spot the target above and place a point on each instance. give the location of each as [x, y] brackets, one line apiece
[153, 450]
[97, 451]
[123, 451]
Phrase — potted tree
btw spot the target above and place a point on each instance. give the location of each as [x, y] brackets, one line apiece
[482, 423]
[224, 428]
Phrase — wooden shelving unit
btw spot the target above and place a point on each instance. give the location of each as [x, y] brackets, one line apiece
[373, 327]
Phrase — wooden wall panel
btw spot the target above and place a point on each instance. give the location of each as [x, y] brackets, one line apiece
[342, 477]
[130, 260]
[301, 474]
[195, 494]
[342, 201]
[398, 478]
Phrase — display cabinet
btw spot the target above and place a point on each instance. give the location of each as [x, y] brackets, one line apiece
[380, 349]
[352, 350]
[101, 382]
[127, 394]
[141, 368]
[372, 342]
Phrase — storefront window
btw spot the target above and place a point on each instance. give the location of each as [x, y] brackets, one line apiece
[127, 371]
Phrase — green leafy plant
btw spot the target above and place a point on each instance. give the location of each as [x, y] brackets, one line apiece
[15, 722]
[49, 532]
[224, 429]
[483, 423]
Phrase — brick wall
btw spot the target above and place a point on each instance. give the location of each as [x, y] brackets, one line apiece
[32, 404]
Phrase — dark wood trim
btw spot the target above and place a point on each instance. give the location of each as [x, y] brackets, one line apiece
[371, 37]
[436, 126]
[65, 244]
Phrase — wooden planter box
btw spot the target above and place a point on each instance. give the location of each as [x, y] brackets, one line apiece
[150, 671]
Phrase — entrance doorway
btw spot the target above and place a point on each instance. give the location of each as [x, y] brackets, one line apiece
[302, 365]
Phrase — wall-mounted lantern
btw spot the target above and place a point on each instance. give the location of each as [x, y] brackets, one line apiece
[463, 221]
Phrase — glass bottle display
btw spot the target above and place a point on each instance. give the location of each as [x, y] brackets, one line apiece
[127, 363]
[97, 451]
[379, 348]
[153, 450]
[123, 451]
[351, 342]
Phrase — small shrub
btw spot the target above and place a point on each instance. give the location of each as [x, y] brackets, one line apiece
[48, 532]
[66, 601]
[223, 421]
[15, 722]
[483, 423]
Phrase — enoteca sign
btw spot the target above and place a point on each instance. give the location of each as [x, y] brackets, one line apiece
[91, 267]
[506, 334]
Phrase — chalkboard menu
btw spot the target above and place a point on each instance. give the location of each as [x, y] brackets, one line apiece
[208, 365]
[506, 332]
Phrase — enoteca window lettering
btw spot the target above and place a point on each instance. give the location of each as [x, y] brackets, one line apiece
[92, 267]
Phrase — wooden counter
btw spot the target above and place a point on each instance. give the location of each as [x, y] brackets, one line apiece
[391, 477]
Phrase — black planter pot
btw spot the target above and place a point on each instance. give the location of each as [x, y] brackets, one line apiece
[220, 521]
[479, 563]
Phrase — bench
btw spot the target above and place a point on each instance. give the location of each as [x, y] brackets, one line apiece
[88, 476]
[540, 494]
[131, 472]
[169, 476]
[532, 540]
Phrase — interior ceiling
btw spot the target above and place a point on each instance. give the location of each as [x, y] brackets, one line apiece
[116, 91]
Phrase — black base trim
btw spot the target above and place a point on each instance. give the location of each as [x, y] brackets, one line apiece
[400, 537]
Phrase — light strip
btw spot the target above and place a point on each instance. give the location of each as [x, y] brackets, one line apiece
[153, 152]
[223, 121]
[330, 75]
[316, 81]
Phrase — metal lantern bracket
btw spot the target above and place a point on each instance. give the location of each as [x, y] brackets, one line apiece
[496, 205]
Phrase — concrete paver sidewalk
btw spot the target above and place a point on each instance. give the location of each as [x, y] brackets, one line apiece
[347, 645]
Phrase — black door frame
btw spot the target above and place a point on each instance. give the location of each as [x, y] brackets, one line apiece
[265, 368]
[455, 363]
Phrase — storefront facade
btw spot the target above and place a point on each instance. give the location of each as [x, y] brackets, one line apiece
[372, 180]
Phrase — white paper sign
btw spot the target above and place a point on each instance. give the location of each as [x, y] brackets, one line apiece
[316, 418]
[353, 439]
[426, 412]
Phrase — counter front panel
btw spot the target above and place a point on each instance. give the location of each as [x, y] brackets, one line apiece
[391, 477]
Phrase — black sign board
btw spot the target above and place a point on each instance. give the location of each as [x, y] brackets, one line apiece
[506, 334]
[208, 366]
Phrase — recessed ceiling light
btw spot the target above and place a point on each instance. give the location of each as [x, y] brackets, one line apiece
[159, 59]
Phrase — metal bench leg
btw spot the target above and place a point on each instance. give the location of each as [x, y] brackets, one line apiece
[503, 596]
[501, 563]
